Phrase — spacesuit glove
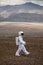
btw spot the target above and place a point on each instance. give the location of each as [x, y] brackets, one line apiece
[24, 43]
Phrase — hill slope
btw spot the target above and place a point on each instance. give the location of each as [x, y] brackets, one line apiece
[10, 12]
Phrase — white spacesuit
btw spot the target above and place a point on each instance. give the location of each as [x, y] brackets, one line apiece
[21, 45]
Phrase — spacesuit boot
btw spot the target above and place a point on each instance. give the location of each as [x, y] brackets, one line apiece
[27, 53]
[24, 50]
[17, 54]
[18, 51]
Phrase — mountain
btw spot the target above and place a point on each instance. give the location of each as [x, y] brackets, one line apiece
[27, 4]
[25, 17]
[24, 12]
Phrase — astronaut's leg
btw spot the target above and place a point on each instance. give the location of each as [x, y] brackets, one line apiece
[18, 51]
[24, 50]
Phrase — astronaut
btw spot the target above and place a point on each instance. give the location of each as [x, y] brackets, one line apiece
[21, 44]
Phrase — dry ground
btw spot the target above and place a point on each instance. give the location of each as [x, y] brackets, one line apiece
[30, 29]
[8, 49]
[34, 44]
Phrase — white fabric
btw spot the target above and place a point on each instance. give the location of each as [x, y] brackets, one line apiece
[21, 41]
[21, 46]
[17, 41]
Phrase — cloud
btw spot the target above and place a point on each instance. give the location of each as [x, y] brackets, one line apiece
[13, 2]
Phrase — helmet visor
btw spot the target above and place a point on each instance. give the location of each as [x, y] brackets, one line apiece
[22, 33]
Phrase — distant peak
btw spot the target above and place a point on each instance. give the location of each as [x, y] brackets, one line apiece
[30, 3]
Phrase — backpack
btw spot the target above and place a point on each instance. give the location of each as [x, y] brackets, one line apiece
[17, 40]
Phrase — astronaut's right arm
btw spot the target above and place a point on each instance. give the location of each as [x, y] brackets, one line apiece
[22, 41]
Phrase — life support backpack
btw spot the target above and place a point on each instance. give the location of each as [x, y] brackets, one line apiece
[17, 40]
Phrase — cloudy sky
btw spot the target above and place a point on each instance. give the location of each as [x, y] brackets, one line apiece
[14, 2]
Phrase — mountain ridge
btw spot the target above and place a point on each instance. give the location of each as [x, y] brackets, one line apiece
[12, 11]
